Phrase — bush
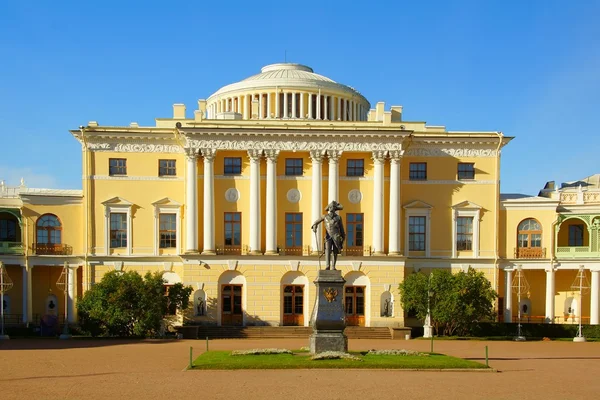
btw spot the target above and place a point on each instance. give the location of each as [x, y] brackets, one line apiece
[125, 304]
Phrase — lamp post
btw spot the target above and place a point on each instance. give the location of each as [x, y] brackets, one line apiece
[519, 286]
[63, 284]
[429, 296]
[5, 285]
[583, 285]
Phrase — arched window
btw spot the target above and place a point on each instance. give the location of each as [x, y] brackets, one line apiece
[49, 231]
[529, 239]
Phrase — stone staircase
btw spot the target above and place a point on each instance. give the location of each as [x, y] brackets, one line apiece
[275, 332]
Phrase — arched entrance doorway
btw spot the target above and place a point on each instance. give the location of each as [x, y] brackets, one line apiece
[232, 298]
[294, 289]
[356, 299]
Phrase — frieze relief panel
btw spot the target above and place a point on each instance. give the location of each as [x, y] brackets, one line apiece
[434, 151]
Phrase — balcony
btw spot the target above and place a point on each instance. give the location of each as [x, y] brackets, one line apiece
[12, 248]
[530, 252]
[47, 249]
[226, 250]
[576, 252]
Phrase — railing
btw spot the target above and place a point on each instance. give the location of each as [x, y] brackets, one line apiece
[229, 250]
[47, 249]
[12, 248]
[13, 319]
[292, 251]
[530, 252]
[535, 319]
[575, 252]
[354, 251]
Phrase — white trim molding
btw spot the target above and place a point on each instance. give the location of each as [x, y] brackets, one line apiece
[166, 206]
[120, 206]
[418, 209]
[466, 209]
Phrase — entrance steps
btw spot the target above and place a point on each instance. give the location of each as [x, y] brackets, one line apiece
[276, 332]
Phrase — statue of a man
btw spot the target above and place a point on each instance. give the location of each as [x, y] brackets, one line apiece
[335, 236]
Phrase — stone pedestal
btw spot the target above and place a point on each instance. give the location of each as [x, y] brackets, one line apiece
[328, 320]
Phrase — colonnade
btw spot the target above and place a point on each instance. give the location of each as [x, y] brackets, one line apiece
[550, 296]
[290, 105]
[317, 157]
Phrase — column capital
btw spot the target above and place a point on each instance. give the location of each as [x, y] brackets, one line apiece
[272, 155]
[396, 155]
[334, 155]
[379, 156]
[255, 155]
[551, 269]
[317, 155]
[208, 154]
[190, 153]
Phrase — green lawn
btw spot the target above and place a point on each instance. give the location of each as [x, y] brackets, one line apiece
[301, 360]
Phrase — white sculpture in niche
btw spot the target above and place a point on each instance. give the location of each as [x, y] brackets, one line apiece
[232, 195]
[294, 195]
[354, 196]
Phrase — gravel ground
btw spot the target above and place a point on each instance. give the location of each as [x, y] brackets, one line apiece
[100, 369]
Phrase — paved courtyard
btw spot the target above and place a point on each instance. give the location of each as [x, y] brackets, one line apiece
[99, 369]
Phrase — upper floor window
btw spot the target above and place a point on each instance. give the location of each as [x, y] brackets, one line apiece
[293, 231]
[233, 230]
[466, 171]
[354, 233]
[166, 168]
[416, 233]
[576, 235]
[118, 230]
[355, 167]
[8, 228]
[232, 166]
[464, 233]
[48, 230]
[417, 171]
[529, 239]
[293, 166]
[117, 166]
[167, 229]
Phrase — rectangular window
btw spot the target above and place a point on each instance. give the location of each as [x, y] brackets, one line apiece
[466, 171]
[167, 230]
[117, 166]
[417, 171]
[576, 235]
[464, 233]
[354, 234]
[233, 229]
[118, 230]
[293, 231]
[416, 233]
[232, 166]
[293, 167]
[355, 167]
[166, 168]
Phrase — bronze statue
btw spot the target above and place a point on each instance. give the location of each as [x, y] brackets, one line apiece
[335, 236]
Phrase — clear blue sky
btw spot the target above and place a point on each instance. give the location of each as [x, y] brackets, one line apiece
[528, 68]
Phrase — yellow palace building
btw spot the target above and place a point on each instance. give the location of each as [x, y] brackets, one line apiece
[222, 199]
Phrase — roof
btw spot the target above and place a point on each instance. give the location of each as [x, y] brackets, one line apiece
[590, 182]
[51, 192]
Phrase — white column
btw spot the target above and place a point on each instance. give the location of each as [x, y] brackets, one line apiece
[379, 160]
[71, 294]
[310, 109]
[331, 107]
[191, 202]
[29, 310]
[25, 293]
[595, 298]
[271, 228]
[325, 110]
[302, 109]
[550, 290]
[209, 202]
[277, 108]
[394, 226]
[260, 106]
[319, 105]
[294, 105]
[339, 113]
[255, 245]
[317, 204]
[247, 106]
[333, 183]
[285, 105]
[508, 295]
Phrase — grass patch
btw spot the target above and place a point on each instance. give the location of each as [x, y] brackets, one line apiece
[224, 360]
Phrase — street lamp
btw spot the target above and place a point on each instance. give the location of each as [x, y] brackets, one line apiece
[519, 286]
[63, 284]
[580, 283]
[5, 285]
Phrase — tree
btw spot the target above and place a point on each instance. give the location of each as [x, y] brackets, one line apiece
[457, 300]
[125, 304]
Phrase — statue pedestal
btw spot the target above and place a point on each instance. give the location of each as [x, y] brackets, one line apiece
[328, 319]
